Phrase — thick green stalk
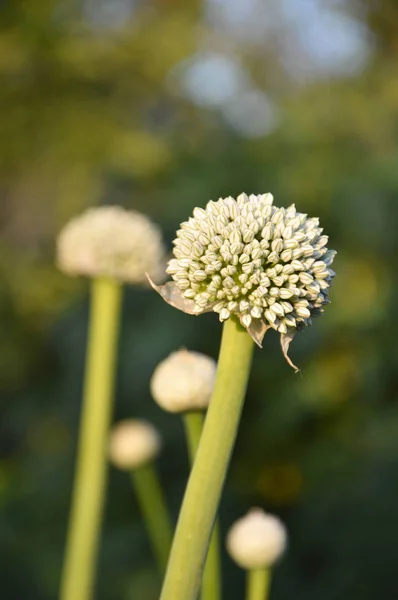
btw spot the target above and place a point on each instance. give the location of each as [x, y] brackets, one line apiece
[258, 583]
[153, 507]
[212, 580]
[91, 468]
[202, 496]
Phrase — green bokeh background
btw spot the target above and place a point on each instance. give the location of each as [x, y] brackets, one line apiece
[93, 112]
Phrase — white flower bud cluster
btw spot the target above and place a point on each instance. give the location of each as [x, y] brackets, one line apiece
[257, 540]
[184, 381]
[246, 257]
[110, 241]
[133, 443]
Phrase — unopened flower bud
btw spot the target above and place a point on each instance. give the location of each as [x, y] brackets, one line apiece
[133, 443]
[184, 381]
[257, 540]
[110, 241]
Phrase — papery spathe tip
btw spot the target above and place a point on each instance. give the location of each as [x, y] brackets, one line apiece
[172, 295]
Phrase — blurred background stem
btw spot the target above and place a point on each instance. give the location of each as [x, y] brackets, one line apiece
[153, 507]
[91, 466]
[202, 495]
[212, 579]
[258, 583]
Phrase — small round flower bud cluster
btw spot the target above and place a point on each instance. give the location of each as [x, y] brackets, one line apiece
[110, 241]
[133, 443]
[184, 381]
[246, 257]
[257, 540]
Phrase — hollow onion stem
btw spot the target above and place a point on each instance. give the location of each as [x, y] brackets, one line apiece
[258, 583]
[212, 580]
[153, 507]
[91, 467]
[202, 495]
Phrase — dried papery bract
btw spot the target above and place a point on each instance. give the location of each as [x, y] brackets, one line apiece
[267, 266]
[109, 241]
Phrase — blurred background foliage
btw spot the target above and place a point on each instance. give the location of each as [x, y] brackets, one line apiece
[160, 105]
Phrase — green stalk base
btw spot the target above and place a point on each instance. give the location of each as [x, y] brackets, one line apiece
[153, 507]
[91, 468]
[258, 584]
[202, 496]
[212, 579]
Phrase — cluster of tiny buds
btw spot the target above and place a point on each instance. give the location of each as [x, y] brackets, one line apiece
[246, 257]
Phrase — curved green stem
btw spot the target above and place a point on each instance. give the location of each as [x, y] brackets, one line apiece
[212, 580]
[153, 507]
[202, 495]
[258, 584]
[91, 467]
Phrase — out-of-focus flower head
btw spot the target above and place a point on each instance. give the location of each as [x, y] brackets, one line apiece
[110, 241]
[267, 266]
[133, 443]
[257, 540]
[184, 381]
